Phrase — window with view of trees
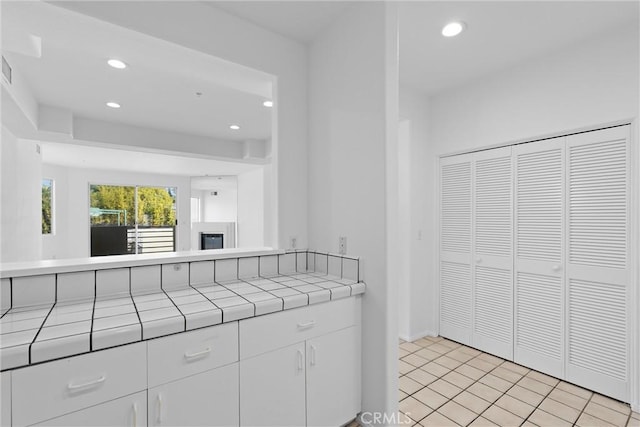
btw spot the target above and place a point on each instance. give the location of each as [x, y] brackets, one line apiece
[47, 206]
[132, 219]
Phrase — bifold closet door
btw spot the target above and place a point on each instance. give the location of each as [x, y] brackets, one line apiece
[455, 247]
[598, 271]
[492, 270]
[539, 256]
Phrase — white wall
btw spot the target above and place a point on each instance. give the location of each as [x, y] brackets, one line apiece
[21, 194]
[595, 82]
[251, 208]
[222, 207]
[416, 293]
[72, 206]
[348, 78]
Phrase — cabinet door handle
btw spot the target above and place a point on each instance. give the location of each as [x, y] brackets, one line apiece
[306, 325]
[135, 414]
[300, 361]
[313, 355]
[159, 408]
[556, 267]
[99, 380]
[190, 356]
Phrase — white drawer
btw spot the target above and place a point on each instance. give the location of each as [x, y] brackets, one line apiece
[178, 356]
[56, 388]
[265, 333]
[127, 411]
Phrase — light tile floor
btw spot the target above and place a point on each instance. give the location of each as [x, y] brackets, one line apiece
[443, 383]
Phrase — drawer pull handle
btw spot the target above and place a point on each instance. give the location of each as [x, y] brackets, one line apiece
[306, 325]
[313, 355]
[300, 361]
[189, 356]
[159, 408]
[135, 415]
[95, 382]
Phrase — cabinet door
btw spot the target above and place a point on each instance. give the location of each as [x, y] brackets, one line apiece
[126, 411]
[456, 247]
[539, 256]
[206, 399]
[598, 265]
[5, 398]
[333, 378]
[272, 388]
[492, 252]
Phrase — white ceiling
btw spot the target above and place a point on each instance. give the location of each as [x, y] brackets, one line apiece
[75, 155]
[157, 90]
[298, 20]
[499, 35]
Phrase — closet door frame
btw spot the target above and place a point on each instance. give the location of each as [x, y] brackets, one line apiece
[634, 229]
[634, 256]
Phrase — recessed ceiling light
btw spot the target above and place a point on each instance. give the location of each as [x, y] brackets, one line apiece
[268, 104]
[453, 29]
[116, 63]
[234, 127]
[113, 105]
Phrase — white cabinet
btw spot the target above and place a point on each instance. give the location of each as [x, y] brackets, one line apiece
[314, 381]
[5, 398]
[206, 399]
[193, 378]
[299, 367]
[52, 389]
[272, 388]
[130, 411]
[333, 377]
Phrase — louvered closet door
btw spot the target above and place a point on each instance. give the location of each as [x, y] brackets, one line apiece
[597, 261]
[539, 287]
[455, 247]
[493, 258]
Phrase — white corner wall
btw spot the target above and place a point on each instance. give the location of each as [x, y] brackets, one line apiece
[251, 209]
[416, 169]
[72, 238]
[349, 75]
[21, 193]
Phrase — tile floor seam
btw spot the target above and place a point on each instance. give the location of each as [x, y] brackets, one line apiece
[479, 356]
[582, 411]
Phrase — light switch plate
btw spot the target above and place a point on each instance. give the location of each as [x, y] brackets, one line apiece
[342, 245]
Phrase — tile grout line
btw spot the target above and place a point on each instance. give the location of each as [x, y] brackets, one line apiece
[475, 381]
[459, 346]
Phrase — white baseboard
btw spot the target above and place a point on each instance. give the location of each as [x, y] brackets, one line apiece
[417, 336]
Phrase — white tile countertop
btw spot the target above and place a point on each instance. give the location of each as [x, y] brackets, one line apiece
[51, 316]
